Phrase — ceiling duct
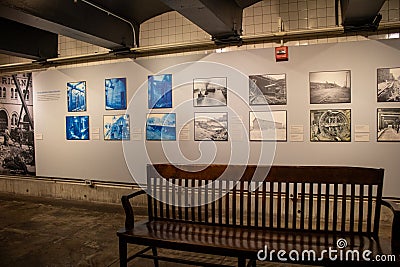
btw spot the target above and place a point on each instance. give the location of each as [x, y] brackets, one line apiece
[222, 19]
[71, 18]
[361, 15]
[18, 41]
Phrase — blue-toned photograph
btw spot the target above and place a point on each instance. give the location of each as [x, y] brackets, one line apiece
[160, 91]
[77, 127]
[116, 127]
[115, 93]
[161, 127]
[76, 94]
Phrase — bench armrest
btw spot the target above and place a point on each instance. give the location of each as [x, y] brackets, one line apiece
[394, 206]
[129, 218]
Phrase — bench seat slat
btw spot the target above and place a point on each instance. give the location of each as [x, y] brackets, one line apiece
[238, 240]
[310, 206]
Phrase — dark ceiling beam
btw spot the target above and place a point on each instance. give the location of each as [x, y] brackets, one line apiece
[246, 3]
[74, 19]
[27, 42]
[222, 19]
[360, 14]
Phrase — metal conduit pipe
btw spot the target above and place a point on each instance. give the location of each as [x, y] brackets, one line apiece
[114, 15]
[145, 51]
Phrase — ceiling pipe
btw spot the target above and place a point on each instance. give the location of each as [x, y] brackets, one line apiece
[182, 47]
[114, 15]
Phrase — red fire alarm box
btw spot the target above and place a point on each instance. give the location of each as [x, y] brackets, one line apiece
[282, 53]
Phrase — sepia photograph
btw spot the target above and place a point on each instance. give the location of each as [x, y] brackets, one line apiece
[211, 126]
[330, 125]
[330, 87]
[388, 84]
[388, 124]
[116, 127]
[160, 91]
[115, 93]
[76, 96]
[161, 127]
[77, 127]
[210, 92]
[267, 89]
[267, 126]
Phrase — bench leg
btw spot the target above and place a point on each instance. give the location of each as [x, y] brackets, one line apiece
[154, 249]
[252, 263]
[123, 253]
[241, 262]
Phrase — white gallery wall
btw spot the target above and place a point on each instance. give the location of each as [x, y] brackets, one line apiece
[125, 161]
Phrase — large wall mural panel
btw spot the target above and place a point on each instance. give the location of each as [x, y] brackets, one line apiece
[17, 153]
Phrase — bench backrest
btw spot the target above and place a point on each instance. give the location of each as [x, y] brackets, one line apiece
[300, 198]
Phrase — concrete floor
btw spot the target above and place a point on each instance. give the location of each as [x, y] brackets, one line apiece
[51, 232]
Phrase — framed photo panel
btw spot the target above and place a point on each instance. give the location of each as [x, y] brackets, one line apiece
[161, 127]
[267, 89]
[76, 96]
[115, 93]
[77, 127]
[388, 125]
[330, 125]
[160, 91]
[268, 126]
[116, 127]
[328, 87]
[211, 126]
[208, 92]
[388, 80]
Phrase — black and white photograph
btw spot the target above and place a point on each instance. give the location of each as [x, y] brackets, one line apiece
[388, 85]
[209, 92]
[330, 87]
[211, 126]
[330, 125]
[17, 153]
[267, 89]
[267, 126]
[388, 124]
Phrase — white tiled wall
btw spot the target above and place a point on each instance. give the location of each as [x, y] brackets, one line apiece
[71, 47]
[169, 28]
[259, 18]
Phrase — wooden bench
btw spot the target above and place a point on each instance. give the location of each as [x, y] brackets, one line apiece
[251, 214]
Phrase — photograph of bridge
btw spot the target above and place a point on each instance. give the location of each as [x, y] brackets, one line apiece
[388, 124]
[388, 85]
[330, 87]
